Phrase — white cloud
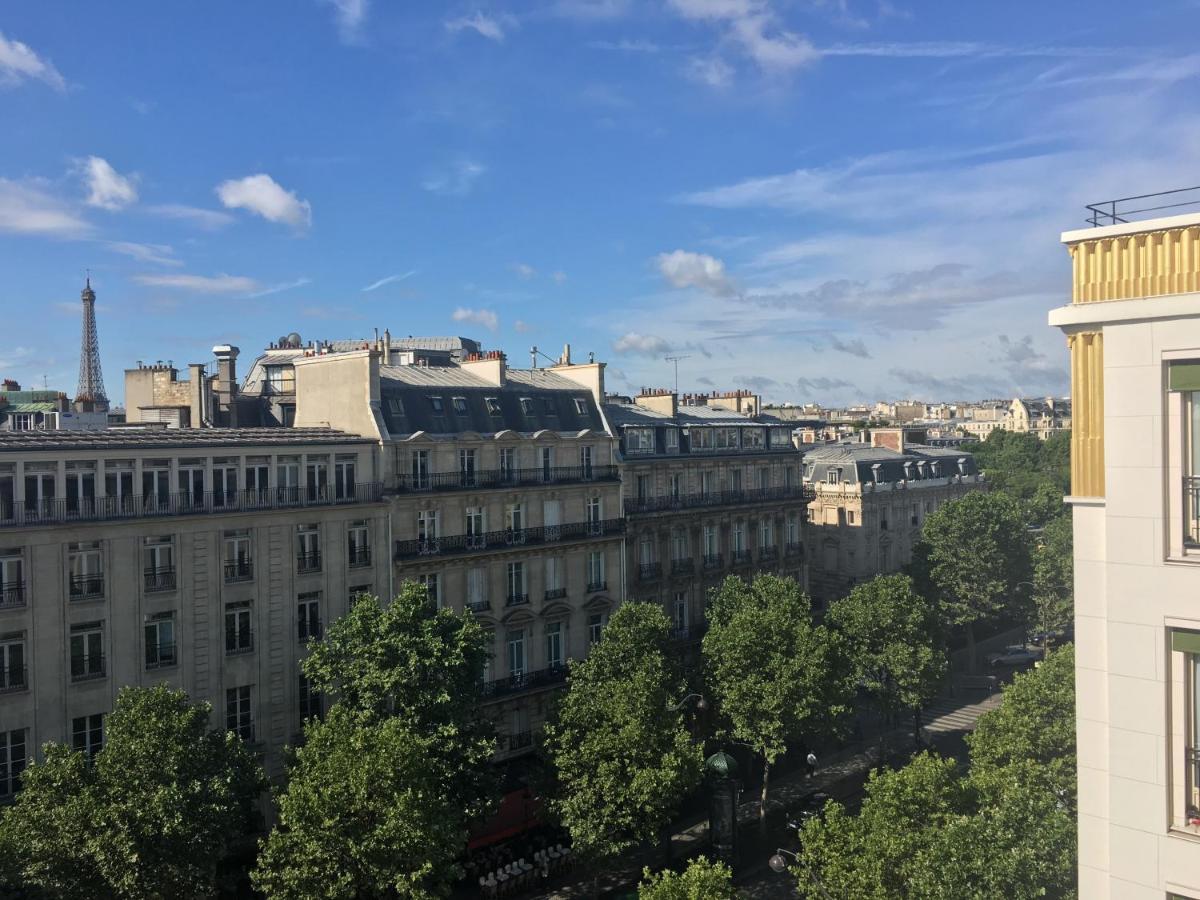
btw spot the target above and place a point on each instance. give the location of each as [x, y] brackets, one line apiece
[262, 195]
[455, 180]
[521, 326]
[524, 270]
[484, 317]
[492, 28]
[26, 208]
[389, 279]
[208, 219]
[350, 16]
[18, 62]
[201, 284]
[559, 276]
[107, 188]
[641, 344]
[683, 269]
[709, 70]
[155, 254]
[752, 26]
[278, 288]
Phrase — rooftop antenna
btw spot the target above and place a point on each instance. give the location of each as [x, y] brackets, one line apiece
[533, 352]
[676, 359]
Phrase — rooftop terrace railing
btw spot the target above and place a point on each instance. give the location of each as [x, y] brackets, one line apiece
[701, 499]
[507, 539]
[1126, 209]
[143, 506]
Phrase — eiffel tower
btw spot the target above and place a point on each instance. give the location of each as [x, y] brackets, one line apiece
[90, 396]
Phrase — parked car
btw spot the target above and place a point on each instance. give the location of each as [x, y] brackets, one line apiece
[1015, 655]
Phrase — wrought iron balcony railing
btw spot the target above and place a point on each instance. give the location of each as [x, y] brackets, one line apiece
[308, 562]
[242, 726]
[359, 556]
[309, 629]
[712, 560]
[594, 587]
[1191, 510]
[87, 587]
[87, 668]
[478, 606]
[740, 557]
[555, 593]
[141, 506]
[649, 571]
[683, 566]
[13, 678]
[768, 553]
[480, 479]
[161, 656]
[12, 594]
[239, 570]
[239, 641]
[503, 540]
[701, 499]
[793, 548]
[525, 681]
[159, 579]
[517, 600]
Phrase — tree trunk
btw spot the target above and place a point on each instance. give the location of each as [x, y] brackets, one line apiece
[917, 726]
[665, 836]
[972, 662]
[762, 803]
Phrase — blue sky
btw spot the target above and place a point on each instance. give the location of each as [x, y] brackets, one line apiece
[823, 201]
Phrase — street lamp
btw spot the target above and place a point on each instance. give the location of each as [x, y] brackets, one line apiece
[779, 865]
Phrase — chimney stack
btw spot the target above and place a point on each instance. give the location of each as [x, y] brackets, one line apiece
[227, 387]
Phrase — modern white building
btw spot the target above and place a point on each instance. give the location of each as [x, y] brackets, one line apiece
[1133, 328]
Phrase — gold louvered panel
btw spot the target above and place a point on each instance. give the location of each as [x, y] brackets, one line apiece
[1087, 413]
[1152, 264]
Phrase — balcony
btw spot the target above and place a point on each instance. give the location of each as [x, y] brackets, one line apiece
[1191, 510]
[768, 554]
[525, 681]
[159, 579]
[309, 630]
[595, 587]
[520, 740]
[507, 539]
[139, 506]
[517, 600]
[555, 593]
[649, 571]
[741, 557]
[683, 566]
[87, 668]
[307, 563]
[484, 479]
[703, 499]
[12, 594]
[241, 570]
[479, 606]
[87, 587]
[793, 548]
[160, 656]
[239, 641]
[243, 728]
[712, 561]
[359, 556]
[13, 679]
[688, 633]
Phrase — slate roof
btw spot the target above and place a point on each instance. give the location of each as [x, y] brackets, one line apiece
[406, 393]
[858, 462]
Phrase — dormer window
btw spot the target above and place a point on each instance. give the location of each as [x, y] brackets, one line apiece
[962, 465]
[908, 470]
[395, 406]
[548, 407]
[493, 406]
[435, 403]
[581, 406]
[527, 405]
[833, 476]
[460, 406]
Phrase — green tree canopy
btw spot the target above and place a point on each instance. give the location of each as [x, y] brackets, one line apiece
[776, 676]
[1054, 576]
[1017, 463]
[703, 879]
[382, 793]
[973, 557]
[895, 643]
[623, 757]
[367, 813]
[929, 831]
[154, 813]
